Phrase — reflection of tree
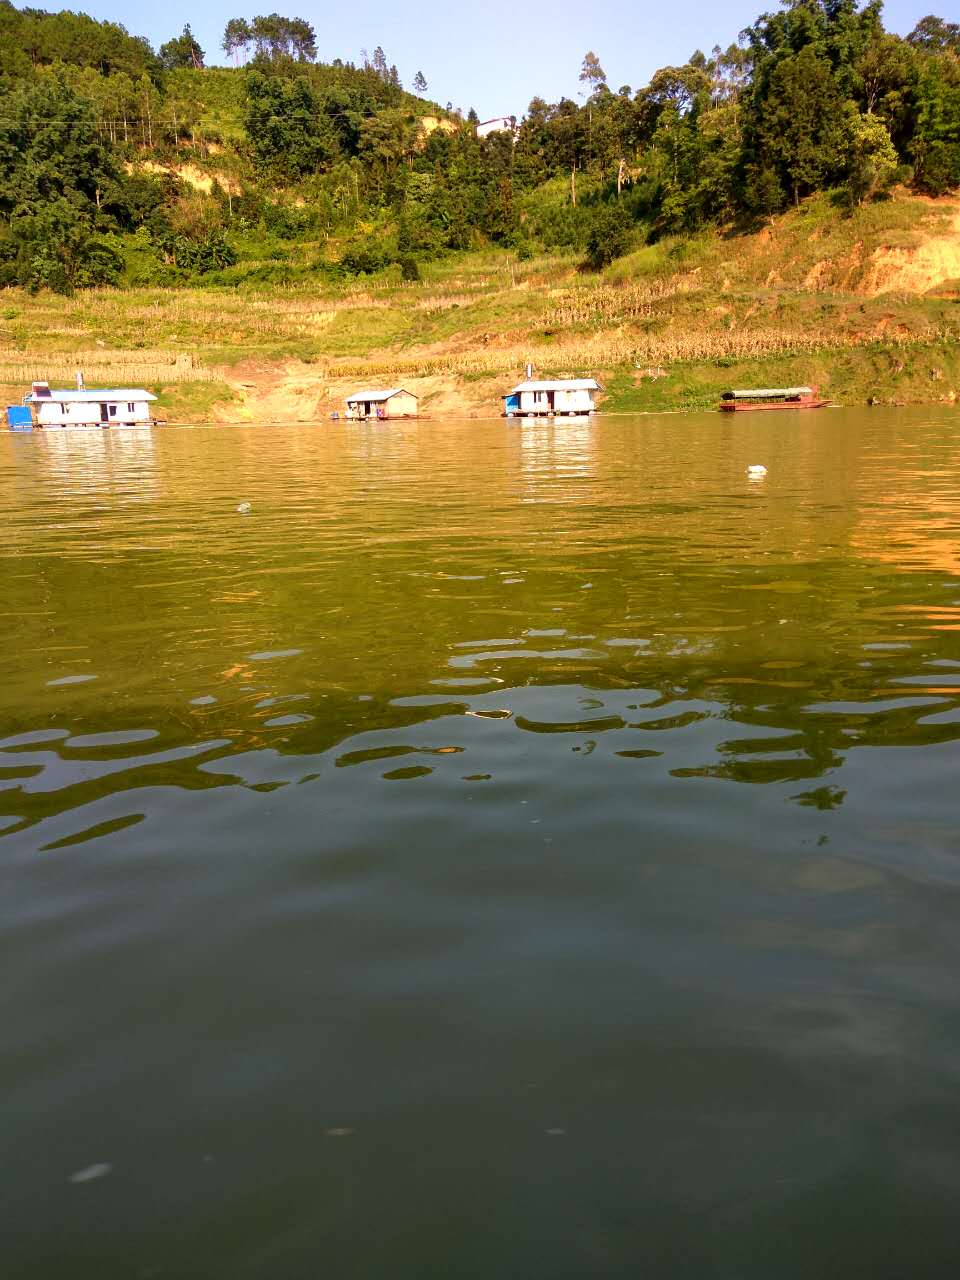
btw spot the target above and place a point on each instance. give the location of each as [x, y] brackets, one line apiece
[821, 798]
[753, 771]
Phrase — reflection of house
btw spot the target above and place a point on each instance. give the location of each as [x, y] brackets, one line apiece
[394, 403]
[83, 408]
[499, 124]
[558, 397]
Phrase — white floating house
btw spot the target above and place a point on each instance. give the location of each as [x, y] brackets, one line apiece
[392, 403]
[79, 407]
[556, 398]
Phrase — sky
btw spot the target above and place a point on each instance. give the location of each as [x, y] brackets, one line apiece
[494, 55]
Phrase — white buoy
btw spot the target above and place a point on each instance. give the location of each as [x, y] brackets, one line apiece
[244, 508]
[756, 470]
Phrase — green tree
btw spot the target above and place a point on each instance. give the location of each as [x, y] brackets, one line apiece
[420, 83]
[237, 37]
[800, 125]
[934, 146]
[276, 38]
[182, 51]
[31, 38]
[54, 173]
[288, 132]
[872, 157]
[58, 248]
[935, 35]
[49, 147]
[592, 75]
[610, 235]
[303, 40]
[762, 192]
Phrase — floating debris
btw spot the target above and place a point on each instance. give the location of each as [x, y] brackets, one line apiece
[245, 508]
[91, 1173]
[756, 470]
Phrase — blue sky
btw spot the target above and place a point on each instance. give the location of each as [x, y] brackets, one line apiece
[496, 54]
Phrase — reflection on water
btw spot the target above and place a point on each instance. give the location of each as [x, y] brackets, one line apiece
[552, 451]
[118, 463]
[380, 856]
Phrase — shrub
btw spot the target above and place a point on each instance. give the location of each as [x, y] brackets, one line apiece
[938, 168]
[365, 255]
[609, 237]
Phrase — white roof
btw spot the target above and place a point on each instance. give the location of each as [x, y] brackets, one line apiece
[130, 394]
[374, 396]
[560, 384]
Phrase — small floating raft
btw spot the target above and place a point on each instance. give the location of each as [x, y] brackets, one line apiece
[772, 398]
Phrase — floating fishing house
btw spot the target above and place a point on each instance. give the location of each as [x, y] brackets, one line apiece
[558, 398]
[45, 406]
[393, 403]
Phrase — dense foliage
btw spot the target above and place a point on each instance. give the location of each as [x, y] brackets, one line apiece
[96, 131]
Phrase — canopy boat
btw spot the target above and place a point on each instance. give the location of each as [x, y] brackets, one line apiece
[772, 398]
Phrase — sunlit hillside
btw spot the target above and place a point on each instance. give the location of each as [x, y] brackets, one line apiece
[253, 239]
[865, 303]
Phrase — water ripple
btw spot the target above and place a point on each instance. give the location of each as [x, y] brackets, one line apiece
[673, 868]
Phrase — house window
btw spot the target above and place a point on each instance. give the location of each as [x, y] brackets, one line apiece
[130, 407]
[113, 411]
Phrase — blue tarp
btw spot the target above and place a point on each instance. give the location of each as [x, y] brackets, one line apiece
[19, 417]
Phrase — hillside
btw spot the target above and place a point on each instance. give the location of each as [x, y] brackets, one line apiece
[865, 303]
[254, 239]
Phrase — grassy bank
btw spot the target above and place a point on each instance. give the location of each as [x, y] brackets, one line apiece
[864, 304]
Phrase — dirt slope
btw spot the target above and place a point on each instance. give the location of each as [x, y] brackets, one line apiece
[933, 262]
[297, 392]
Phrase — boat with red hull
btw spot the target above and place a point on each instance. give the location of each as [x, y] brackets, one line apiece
[772, 398]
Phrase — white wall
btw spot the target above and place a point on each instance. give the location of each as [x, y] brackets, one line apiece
[573, 401]
[563, 401]
[534, 402]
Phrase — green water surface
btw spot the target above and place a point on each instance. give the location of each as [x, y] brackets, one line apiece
[518, 851]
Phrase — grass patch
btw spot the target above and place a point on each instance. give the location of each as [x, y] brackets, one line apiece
[880, 373]
[193, 401]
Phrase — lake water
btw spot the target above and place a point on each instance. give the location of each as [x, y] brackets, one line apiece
[505, 851]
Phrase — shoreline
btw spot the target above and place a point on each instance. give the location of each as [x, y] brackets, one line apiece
[490, 419]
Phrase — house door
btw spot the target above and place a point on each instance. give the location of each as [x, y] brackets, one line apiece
[104, 416]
